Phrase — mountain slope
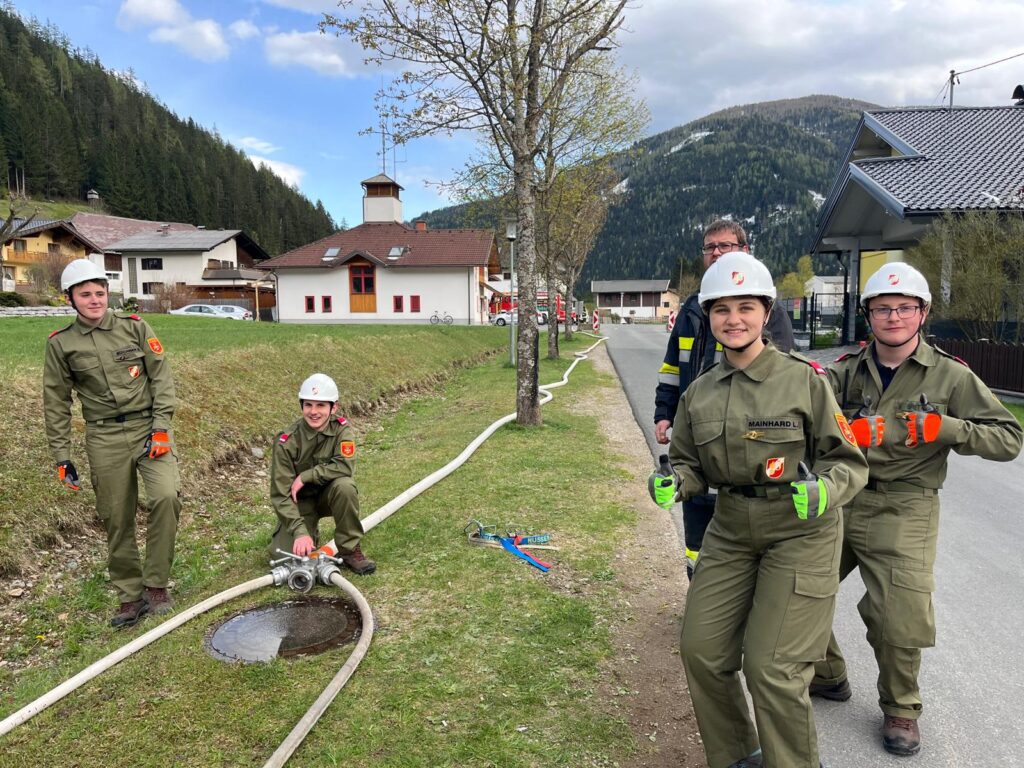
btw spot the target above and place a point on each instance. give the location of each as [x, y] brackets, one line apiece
[766, 165]
[67, 124]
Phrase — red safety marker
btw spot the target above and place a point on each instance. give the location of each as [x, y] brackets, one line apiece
[596, 325]
[671, 321]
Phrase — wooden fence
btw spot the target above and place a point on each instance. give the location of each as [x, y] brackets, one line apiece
[1000, 366]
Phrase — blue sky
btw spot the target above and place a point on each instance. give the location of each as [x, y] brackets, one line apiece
[259, 73]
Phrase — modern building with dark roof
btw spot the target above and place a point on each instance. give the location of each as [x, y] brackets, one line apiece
[211, 263]
[634, 298]
[386, 271]
[905, 167]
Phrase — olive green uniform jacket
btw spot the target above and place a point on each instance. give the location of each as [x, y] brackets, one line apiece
[325, 460]
[123, 381]
[763, 592]
[891, 528]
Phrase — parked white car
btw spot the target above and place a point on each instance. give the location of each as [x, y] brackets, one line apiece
[228, 311]
[506, 317]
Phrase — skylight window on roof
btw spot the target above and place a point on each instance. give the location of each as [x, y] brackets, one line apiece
[332, 252]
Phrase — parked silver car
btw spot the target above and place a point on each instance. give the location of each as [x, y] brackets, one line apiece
[229, 311]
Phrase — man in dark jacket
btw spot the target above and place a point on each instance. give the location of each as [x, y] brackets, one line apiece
[691, 350]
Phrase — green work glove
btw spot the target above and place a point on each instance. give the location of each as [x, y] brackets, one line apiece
[809, 495]
[664, 484]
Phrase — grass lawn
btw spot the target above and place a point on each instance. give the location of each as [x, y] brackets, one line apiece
[1017, 410]
[477, 659]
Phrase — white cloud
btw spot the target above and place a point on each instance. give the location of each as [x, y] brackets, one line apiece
[695, 57]
[257, 145]
[292, 175]
[307, 6]
[243, 29]
[318, 52]
[148, 13]
[202, 39]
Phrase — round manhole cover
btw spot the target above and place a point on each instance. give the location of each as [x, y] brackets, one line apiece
[291, 628]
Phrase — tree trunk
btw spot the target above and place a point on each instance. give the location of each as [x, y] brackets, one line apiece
[570, 293]
[552, 313]
[527, 391]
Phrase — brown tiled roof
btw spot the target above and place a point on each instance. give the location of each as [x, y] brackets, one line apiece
[429, 248]
[106, 230]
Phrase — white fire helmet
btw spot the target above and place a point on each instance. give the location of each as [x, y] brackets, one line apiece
[735, 274]
[80, 271]
[896, 279]
[320, 387]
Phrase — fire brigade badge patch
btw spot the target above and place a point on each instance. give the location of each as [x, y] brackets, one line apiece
[134, 371]
[155, 345]
[775, 467]
[348, 449]
[844, 427]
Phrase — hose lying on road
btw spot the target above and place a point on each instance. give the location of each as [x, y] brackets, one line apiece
[306, 723]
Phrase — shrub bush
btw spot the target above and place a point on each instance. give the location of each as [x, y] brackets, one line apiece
[11, 299]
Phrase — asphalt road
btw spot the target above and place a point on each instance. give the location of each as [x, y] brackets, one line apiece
[973, 676]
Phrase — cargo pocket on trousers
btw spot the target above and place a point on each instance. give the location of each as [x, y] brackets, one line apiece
[909, 614]
[807, 623]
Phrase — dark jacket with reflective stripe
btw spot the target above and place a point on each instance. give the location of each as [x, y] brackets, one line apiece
[692, 349]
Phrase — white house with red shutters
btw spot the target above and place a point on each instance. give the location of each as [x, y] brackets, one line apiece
[384, 271]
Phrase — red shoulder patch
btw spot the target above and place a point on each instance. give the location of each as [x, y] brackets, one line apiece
[55, 333]
[342, 420]
[817, 367]
[961, 361]
[134, 317]
[843, 357]
[283, 438]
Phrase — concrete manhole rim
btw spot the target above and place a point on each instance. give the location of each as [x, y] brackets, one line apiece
[349, 634]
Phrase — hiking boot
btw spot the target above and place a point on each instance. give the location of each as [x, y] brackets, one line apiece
[751, 761]
[840, 691]
[900, 735]
[357, 561]
[129, 614]
[158, 600]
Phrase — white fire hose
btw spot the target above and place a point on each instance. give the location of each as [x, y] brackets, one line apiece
[327, 572]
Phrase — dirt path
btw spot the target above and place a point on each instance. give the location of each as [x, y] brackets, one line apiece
[647, 686]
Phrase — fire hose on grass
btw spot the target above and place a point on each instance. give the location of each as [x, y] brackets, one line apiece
[300, 574]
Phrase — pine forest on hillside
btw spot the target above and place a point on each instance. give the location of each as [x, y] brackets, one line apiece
[765, 165]
[67, 124]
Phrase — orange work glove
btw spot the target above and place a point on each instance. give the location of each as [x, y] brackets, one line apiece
[869, 430]
[923, 425]
[68, 475]
[157, 444]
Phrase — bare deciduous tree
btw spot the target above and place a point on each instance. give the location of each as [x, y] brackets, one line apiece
[11, 226]
[492, 66]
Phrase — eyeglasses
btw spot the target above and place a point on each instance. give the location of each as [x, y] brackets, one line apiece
[902, 312]
[720, 247]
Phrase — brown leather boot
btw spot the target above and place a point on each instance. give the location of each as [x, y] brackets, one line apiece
[129, 614]
[357, 561]
[840, 691]
[159, 600]
[900, 735]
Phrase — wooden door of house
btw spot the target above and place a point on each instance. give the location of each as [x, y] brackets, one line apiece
[362, 288]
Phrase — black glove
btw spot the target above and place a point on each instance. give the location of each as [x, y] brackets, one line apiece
[68, 475]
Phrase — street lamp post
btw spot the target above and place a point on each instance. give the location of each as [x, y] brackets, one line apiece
[510, 234]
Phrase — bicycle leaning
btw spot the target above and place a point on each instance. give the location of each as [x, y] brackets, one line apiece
[445, 318]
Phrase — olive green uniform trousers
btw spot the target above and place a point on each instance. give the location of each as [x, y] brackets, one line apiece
[891, 537]
[115, 452]
[338, 499]
[764, 568]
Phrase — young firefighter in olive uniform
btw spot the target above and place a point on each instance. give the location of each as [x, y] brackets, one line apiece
[911, 404]
[311, 476]
[116, 365]
[691, 349]
[763, 592]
